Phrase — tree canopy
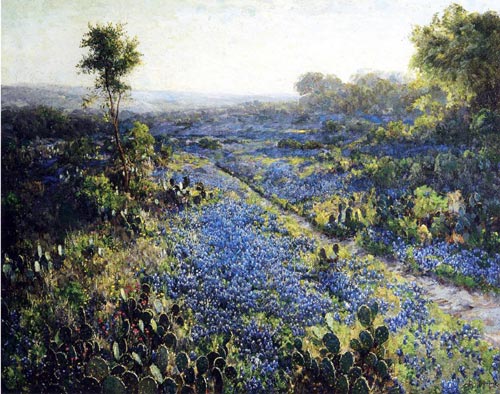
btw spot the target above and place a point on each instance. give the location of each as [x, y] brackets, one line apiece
[460, 52]
[112, 55]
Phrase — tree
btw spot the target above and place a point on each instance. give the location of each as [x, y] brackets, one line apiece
[112, 56]
[460, 52]
[310, 82]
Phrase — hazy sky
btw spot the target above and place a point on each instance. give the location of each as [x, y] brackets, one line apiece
[224, 46]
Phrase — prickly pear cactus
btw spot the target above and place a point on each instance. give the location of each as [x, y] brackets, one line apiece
[202, 364]
[169, 386]
[218, 380]
[360, 386]
[328, 371]
[230, 372]
[201, 385]
[365, 316]
[381, 334]
[366, 340]
[181, 361]
[148, 385]
[342, 384]
[346, 362]
[298, 359]
[331, 342]
[97, 368]
[113, 385]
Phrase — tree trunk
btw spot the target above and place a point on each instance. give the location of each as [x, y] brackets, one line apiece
[114, 113]
[123, 158]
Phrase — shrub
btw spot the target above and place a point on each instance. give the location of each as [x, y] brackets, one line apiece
[209, 143]
[100, 196]
[333, 126]
[139, 145]
[289, 143]
[428, 202]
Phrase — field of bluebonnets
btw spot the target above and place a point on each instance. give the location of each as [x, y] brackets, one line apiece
[234, 274]
[262, 247]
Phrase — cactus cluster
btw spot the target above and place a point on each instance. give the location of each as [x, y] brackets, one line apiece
[144, 351]
[326, 262]
[180, 193]
[347, 223]
[363, 368]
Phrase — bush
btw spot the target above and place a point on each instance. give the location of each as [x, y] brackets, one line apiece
[100, 196]
[333, 126]
[289, 143]
[139, 145]
[428, 202]
[209, 143]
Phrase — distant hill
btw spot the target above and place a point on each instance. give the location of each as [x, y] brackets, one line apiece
[70, 98]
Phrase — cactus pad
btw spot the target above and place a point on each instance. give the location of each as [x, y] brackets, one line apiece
[297, 343]
[230, 372]
[113, 385]
[181, 361]
[218, 381]
[365, 316]
[360, 386]
[331, 342]
[298, 358]
[170, 340]
[162, 358]
[156, 373]
[371, 359]
[346, 362]
[366, 339]
[355, 344]
[328, 371]
[202, 365]
[382, 369]
[342, 384]
[381, 334]
[201, 385]
[98, 368]
[169, 386]
[189, 375]
[148, 385]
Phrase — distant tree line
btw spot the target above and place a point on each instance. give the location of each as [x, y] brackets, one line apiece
[456, 92]
[370, 93]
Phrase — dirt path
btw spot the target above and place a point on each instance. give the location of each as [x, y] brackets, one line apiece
[456, 301]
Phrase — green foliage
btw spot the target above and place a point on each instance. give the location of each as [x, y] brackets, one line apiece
[209, 143]
[78, 151]
[331, 342]
[74, 294]
[290, 143]
[112, 56]
[139, 146]
[365, 316]
[485, 122]
[370, 93]
[459, 52]
[383, 171]
[360, 370]
[130, 354]
[428, 202]
[333, 126]
[100, 195]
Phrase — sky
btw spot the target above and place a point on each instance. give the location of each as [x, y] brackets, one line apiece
[218, 46]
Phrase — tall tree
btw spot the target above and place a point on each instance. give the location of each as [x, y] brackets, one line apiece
[460, 52]
[111, 56]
